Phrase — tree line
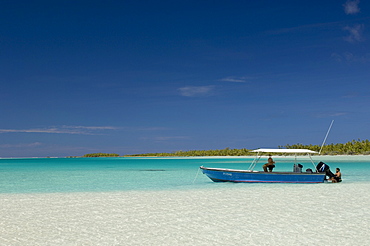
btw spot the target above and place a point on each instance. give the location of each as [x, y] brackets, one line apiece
[101, 155]
[217, 152]
[354, 147]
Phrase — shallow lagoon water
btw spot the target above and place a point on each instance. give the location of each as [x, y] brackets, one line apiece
[167, 202]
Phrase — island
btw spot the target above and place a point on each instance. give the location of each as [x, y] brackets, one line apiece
[354, 147]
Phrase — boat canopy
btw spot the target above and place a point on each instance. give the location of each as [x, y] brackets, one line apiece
[297, 151]
[291, 151]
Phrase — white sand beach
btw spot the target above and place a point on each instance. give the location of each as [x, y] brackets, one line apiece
[253, 214]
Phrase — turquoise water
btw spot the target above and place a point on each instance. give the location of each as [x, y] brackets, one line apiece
[48, 175]
[166, 201]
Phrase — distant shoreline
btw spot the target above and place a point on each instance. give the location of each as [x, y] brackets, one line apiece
[323, 157]
[349, 157]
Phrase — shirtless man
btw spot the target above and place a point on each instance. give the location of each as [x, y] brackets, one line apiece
[270, 165]
[337, 176]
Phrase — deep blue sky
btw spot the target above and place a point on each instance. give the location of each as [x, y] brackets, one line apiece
[136, 76]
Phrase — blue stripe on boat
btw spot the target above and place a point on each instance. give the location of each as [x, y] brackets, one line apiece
[246, 176]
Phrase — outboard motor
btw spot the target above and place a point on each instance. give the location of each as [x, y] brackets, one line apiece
[324, 168]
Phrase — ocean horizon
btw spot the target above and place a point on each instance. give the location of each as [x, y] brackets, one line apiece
[168, 201]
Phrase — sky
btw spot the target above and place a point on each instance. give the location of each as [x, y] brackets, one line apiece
[134, 76]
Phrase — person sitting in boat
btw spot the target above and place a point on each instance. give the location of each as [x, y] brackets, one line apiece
[269, 165]
[337, 176]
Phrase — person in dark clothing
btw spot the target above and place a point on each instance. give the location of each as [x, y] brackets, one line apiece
[337, 176]
[269, 165]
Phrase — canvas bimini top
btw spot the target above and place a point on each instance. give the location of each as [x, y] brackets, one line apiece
[287, 151]
[294, 151]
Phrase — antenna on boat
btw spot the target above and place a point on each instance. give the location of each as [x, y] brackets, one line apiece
[327, 133]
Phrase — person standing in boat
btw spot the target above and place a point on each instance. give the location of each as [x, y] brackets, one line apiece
[269, 165]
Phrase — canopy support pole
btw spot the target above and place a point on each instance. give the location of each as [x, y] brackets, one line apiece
[312, 162]
[254, 162]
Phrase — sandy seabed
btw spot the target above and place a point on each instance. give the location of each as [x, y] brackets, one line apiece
[238, 214]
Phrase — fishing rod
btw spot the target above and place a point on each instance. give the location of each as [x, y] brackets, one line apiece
[327, 133]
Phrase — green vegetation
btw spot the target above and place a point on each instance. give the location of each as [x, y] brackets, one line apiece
[101, 155]
[217, 152]
[354, 147]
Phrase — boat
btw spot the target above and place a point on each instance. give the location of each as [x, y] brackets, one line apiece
[316, 175]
